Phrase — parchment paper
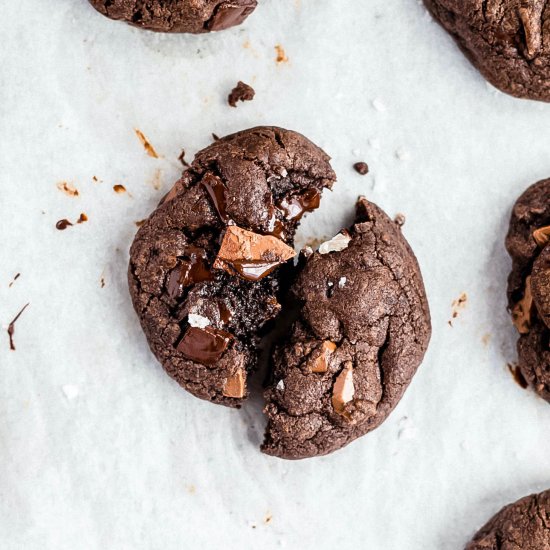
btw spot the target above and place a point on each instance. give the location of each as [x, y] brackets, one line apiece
[99, 449]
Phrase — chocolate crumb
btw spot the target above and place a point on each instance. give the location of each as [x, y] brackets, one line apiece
[215, 137]
[63, 224]
[518, 376]
[68, 189]
[241, 92]
[83, 218]
[181, 158]
[149, 149]
[281, 55]
[119, 188]
[14, 279]
[95, 178]
[139, 223]
[361, 168]
[11, 327]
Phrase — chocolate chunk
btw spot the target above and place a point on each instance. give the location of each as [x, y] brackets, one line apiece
[522, 525]
[230, 14]
[204, 345]
[369, 298]
[193, 16]
[249, 255]
[63, 224]
[504, 40]
[235, 385]
[529, 284]
[241, 92]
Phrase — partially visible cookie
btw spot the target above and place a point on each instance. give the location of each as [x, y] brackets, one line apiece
[507, 40]
[362, 330]
[193, 16]
[205, 269]
[529, 283]
[523, 525]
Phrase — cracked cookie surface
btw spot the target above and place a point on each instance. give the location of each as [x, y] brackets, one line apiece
[507, 40]
[362, 330]
[207, 267]
[529, 283]
[192, 16]
[523, 525]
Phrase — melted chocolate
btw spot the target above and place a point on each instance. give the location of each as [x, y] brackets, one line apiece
[254, 271]
[225, 313]
[205, 346]
[295, 206]
[190, 271]
[216, 190]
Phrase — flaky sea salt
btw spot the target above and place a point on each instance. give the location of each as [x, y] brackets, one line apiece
[336, 244]
[198, 321]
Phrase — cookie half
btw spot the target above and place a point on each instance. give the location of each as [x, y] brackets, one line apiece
[207, 268]
[362, 330]
[192, 16]
[529, 283]
[507, 40]
[524, 525]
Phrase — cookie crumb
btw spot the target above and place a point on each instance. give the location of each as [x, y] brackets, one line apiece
[268, 518]
[118, 188]
[14, 279]
[68, 189]
[399, 219]
[281, 54]
[11, 326]
[215, 137]
[149, 149]
[139, 223]
[361, 168]
[83, 218]
[241, 92]
[181, 158]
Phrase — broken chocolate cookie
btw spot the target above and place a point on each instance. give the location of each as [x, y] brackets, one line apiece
[523, 525]
[205, 271]
[362, 330]
[529, 283]
[507, 40]
[193, 16]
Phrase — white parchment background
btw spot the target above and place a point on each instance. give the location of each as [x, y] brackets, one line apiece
[133, 461]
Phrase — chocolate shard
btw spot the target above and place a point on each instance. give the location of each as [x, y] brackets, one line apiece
[250, 255]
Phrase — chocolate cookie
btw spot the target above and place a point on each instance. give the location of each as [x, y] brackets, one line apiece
[362, 330]
[204, 275]
[194, 16]
[507, 40]
[524, 525]
[529, 283]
